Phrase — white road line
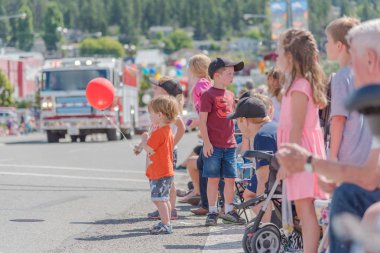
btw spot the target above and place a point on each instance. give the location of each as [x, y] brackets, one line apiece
[71, 168]
[73, 177]
[224, 238]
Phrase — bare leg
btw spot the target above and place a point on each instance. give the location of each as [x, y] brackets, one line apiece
[173, 196]
[164, 210]
[262, 177]
[212, 190]
[229, 190]
[310, 228]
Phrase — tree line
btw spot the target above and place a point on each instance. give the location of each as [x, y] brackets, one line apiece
[128, 19]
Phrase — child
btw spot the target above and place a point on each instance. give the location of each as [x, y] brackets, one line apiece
[219, 147]
[201, 82]
[159, 147]
[168, 86]
[350, 136]
[259, 133]
[274, 79]
[299, 122]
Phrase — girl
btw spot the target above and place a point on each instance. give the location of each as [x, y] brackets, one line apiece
[304, 95]
[169, 86]
[275, 79]
[200, 81]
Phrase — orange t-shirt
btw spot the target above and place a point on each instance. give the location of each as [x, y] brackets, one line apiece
[161, 141]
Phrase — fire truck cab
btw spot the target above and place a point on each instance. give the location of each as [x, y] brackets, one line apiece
[64, 107]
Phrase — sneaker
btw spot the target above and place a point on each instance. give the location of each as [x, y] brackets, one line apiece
[212, 219]
[233, 217]
[156, 215]
[174, 215]
[161, 228]
[180, 167]
[182, 193]
[199, 211]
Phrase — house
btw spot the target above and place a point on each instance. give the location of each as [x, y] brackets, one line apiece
[165, 30]
[150, 57]
[244, 44]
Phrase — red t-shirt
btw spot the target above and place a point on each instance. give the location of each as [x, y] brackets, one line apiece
[161, 141]
[219, 103]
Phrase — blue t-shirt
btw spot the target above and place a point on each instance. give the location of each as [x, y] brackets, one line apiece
[357, 138]
[266, 140]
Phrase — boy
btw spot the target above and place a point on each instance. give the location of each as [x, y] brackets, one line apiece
[350, 136]
[159, 147]
[255, 123]
[219, 147]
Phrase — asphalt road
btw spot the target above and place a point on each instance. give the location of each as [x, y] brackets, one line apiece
[91, 197]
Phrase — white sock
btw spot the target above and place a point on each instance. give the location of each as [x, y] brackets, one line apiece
[228, 208]
[213, 209]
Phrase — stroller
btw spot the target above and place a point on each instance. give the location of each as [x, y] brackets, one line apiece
[268, 237]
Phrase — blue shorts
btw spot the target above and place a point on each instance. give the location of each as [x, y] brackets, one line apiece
[160, 188]
[221, 164]
[252, 186]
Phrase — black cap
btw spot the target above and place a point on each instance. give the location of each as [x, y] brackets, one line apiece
[171, 86]
[249, 108]
[221, 63]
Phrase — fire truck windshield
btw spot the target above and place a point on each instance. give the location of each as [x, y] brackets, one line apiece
[65, 80]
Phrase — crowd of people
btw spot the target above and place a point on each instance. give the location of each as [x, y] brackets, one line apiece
[285, 120]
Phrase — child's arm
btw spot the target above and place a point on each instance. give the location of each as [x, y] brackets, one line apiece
[337, 126]
[144, 145]
[180, 130]
[298, 113]
[207, 146]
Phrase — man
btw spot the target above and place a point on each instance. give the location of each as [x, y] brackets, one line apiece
[359, 185]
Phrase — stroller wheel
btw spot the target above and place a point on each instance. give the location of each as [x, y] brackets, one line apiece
[248, 235]
[267, 239]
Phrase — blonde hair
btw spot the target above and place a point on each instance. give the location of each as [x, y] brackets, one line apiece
[277, 75]
[167, 105]
[180, 98]
[301, 45]
[198, 65]
[338, 29]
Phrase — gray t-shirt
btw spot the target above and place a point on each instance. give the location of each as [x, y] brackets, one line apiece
[357, 138]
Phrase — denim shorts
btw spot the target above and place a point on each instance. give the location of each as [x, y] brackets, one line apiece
[221, 164]
[160, 188]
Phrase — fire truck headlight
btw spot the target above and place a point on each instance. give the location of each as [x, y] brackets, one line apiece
[116, 108]
[184, 112]
[49, 104]
[132, 111]
[44, 105]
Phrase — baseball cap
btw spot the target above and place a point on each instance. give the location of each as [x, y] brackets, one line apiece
[171, 86]
[221, 63]
[250, 107]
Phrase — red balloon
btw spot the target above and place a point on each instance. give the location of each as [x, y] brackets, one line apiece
[100, 93]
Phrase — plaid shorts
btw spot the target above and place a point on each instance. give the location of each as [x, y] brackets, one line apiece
[160, 188]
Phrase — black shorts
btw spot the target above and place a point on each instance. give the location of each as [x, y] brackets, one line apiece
[197, 149]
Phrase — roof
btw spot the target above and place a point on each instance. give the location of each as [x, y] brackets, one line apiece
[149, 57]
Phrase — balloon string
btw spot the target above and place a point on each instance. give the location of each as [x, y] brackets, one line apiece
[114, 125]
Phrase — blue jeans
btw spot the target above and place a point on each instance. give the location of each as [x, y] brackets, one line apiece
[221, 164]
[349, 198]
[203, 183]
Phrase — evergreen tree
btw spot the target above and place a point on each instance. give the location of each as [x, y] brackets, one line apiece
[53, 21]
[4, 27]
[24, 34]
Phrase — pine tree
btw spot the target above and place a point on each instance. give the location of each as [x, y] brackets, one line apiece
[25, 35]
[6, 91]
[53, 20]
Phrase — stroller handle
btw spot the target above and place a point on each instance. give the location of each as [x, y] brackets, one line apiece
[262, 155]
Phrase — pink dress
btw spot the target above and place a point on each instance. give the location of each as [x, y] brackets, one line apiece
[303, 184]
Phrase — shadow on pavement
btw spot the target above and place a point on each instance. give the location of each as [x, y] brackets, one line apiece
[112, 237]
[184, 247]
[112, 221]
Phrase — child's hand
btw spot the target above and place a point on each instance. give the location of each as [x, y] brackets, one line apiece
[207, 149]
[144, 137]
[137, 149]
